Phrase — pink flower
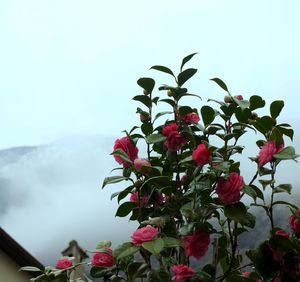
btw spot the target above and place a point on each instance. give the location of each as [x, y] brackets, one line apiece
[144, 234]
[142, 165]
[282, 233]
[134, 198]
[102, 259]
[160, 199]
[201, 155]
[182, 273]
[239, 97]
[126, 145]
[228, 190]
[191, 118]
[268, 151]
[246, 274]
[295, 223]
[63, 263]
[196, 245]
[175, 141]
[168, 129]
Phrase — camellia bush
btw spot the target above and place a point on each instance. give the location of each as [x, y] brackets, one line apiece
[189, 195]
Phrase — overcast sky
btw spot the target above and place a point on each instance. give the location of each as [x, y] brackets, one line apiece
[69, 68]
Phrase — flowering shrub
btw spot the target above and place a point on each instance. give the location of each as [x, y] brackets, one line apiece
[190, 196]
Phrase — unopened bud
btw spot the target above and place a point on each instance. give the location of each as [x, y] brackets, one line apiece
[227, 99]
[254, 115]
[138, 183]
[146, 92]
[170, 93]
[144, 118]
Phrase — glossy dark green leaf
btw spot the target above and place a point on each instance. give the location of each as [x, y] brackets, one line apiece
[122, 155]
[143, 99]
[208, 115]
[242, 115]
[186, 59]
[136, 270]
[30, 269]
[147, 128]
[125, 250]
[186, 75]
[256, 102]
[170, 242]
[221, 83]
[158, 275]
[286, 131]
[146, 83]
[161, 114]
[275, 108]
[168, 101]
[155, 138]
[283, 188]
[113, 179]
[98, 272]
[288, 153]
[155, 246]
[163, 69]
[124, 209]
[235, 212]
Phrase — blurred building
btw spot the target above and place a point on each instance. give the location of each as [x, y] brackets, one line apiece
[12, 257]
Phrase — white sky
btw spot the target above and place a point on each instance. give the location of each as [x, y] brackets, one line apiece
[70, 67]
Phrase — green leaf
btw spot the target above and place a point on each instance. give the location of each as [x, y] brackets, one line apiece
[242, 115]
[208, 115]
[184, 110]
[155, 138]
[256, 102]
[124, 209]
[159, 275]
[235, 212]
[275, 108]
[159, 181]
[147, 128]
[168, 101]
[250, 192]
[285, 203]
[161, 114]
[125, 250]
[221, 83]
[143, 99]
[146, 83]
[103, 244]
[30, 269]
[170, 242]
[185, 76]
[98, 272]
[288, 153]
[135, 270]
[113, 179]
[122, 155]
[186, 59]
[186, 159]
[154, 246]
[163, 69]
[286, 131]
[283, 188]
[258, 192]
[248, 220]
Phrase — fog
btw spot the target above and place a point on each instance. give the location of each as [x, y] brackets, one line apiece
[52, 194]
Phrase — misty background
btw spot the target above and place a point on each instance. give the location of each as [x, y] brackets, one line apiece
[68, 72]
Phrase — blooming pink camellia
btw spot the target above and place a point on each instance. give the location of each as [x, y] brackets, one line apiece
[282, 233]
[168, 129]
[182, 273]
[196, 245]
[229, 190]
[175, 141]
[126, 145]
[295, 223]
[142, 165]
[144, 234]
[191, 118]
[64, 263]
[201, 155]
[103, 259]
[134, 198]
[268, 151]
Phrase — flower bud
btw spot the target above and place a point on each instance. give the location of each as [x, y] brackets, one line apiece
[170, 93]
[146, 92]
[227, 99]
[144, 118]
[138, 183]
[253, 115]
